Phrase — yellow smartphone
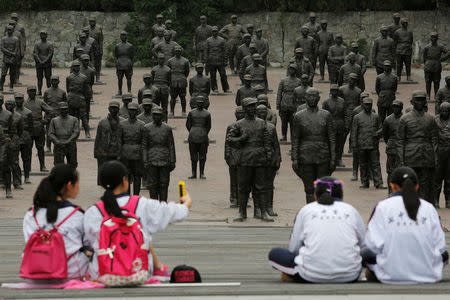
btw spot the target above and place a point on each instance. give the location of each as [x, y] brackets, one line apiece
[181, 189]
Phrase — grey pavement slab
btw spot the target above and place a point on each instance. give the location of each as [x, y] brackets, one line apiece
[221, 254]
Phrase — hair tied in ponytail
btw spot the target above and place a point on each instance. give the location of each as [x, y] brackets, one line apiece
[407, 180]
[328, 188]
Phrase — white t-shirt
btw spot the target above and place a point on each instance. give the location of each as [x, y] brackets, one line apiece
[154, 216]
[407, 251]
[72, 231]
[328, 240]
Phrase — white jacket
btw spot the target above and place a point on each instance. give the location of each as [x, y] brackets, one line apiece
[328, 240]
[72, 231]
[407, 251]
[154, 216]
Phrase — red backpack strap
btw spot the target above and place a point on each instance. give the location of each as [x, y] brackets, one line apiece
[101, 207]
[68, 216]
[35, 219]
[132, 204]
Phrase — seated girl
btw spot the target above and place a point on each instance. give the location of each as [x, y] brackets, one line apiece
[51, 206]
[154, 215]
[405, 240]
[326, 240]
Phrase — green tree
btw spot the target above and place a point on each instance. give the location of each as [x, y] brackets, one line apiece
[185, 18]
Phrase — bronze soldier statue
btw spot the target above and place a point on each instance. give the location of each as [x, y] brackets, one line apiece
[361, 61]
[159, 25]
[443, 95]
[89, 72]
[243, 50]
[26, 143]
[386, 87]
[216, 57]
[250, 30]
[87, 48]
[124, 53]
[199, 85]
[233, 34]
[96, 32]
[274, 160]
[159, 38]
[443, 166]
[20, 33]
[173, 33]
[179, 66]
[335, 59]
[325, 40]
[383, 49]
[252, 137]
[123, 111]
[303, 66]
[418, 144]
[37, 107]
[18, 63]
[198, 123]
[78, 90]
[390, 135]
[308, 44]
[403, 40]
[166, 47]
[94, 47]
[148, 85]
[43, 54]
[161, 77]
[313, 151]
[312, 25]
[7, 147]
[351, 95]
[13, 147]
[247, 61]
[147, 105]
[286, 105]
[52, 96]
[355, 154]
[202, 33]
[433, 55]
[63, 132]
[262, 46]
[271, 115]
[10, 48]
[366, 133]
[349, 67]
[158, 155]
[232, 158]
[396, 25]
[245, 91]
[336, 106]
[300, 93]
[258, 72]
[108, 144]
[132, 133]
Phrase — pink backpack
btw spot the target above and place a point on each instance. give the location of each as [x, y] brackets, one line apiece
[45, 255]
[122, 251]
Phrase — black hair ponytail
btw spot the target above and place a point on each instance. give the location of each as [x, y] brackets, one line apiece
[50, 188]
[326, 189]
[406, 178]
[111, 176]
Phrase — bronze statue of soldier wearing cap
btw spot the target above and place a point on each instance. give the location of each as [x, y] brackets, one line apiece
[52, 96]
[386, 87]
[202, 33]
[26, 143]
[158, 153]
[245, 91]
[132, 133]
[166, 46]
[198, 123]
[10, 48]
[233, 33]
[258, 72]
[403, 40]
[418, 139]
[161, 77]
[63, 132]
[199, 84]
[159, 25]
[179, 67]
[325, 40]
[43, 54]
[433, 55]
[336, 58]
[308, 44]
[390, 135]
[216, 58]
[148, 85]
[243, 50]
[96, 32]
[366, 133]
[124, 54]
[107, 144]
[313, 151]
[383, 49]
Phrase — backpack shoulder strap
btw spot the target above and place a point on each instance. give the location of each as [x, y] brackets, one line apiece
[68, 216]
[35, 219]
[101, 207]
[132, 204]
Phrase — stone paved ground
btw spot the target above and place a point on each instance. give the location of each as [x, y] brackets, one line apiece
[210, 196]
